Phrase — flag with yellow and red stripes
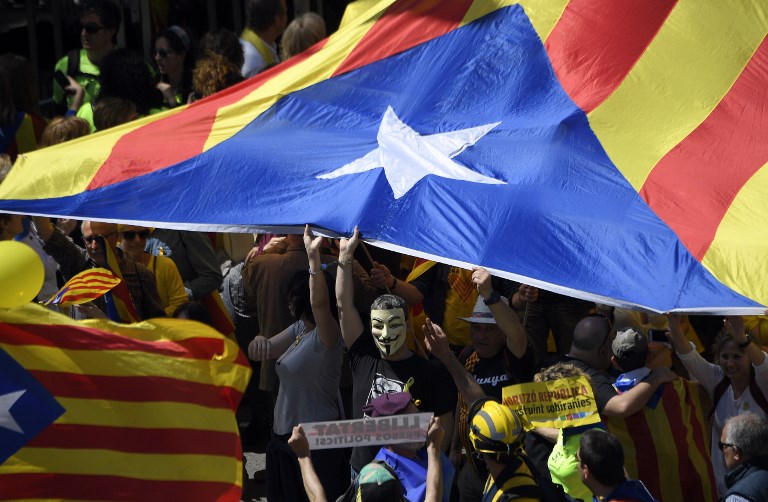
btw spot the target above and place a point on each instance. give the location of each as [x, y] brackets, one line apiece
[611, 151]
[84, 287]
[109, 411]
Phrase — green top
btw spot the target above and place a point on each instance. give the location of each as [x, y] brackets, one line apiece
[87, 77]
[564, 467]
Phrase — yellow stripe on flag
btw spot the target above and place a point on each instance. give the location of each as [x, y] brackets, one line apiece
[56, 179]
[543, 15]
[741, 238]
[314, 69]
[663, 440]
[122, 363]
[144, 415]
[691, 64]
[156, 466]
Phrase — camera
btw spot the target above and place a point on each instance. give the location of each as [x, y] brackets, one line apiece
[658, 335]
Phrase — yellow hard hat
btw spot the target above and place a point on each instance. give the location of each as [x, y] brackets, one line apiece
[494, 428]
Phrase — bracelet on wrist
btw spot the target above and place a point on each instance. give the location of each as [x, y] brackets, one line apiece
[394, 283]
[346, 262]
[315, 272]
[745, 343]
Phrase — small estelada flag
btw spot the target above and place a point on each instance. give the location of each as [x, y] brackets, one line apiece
[85, 287]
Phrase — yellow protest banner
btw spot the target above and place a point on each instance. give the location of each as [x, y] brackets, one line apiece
[566, 402]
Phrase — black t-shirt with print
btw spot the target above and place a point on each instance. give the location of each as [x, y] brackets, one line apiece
[501, 370]
[373, 376]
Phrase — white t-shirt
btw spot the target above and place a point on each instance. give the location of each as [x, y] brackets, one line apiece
[709, 375]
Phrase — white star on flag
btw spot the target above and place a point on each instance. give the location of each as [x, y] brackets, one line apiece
[6, 419]
[407, 156]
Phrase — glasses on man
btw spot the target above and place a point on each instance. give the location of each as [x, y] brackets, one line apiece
[91, 238]
[723, 446]
[130, 235]
[162, 53]
[91, 29]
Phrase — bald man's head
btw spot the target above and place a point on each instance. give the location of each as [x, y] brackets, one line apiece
[591, 333]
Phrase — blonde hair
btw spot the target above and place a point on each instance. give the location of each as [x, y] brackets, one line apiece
[558, 371]
[63, 129]
[301, 34]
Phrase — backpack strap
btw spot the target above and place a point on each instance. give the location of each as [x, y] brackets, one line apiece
[73, 62]
[757, 393]
[720, 389]
[754, 389]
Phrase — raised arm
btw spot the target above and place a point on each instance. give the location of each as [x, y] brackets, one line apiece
[328, 329]
[437, 344]
[434, 484]
[506, 318]
[678, 327]
[735, 326]
[349, 318]
[383, 279]
[300, 446]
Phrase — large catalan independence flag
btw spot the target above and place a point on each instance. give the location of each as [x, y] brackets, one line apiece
[613, 151]
[94, 410]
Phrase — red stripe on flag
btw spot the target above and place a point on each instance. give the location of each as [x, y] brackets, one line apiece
[693, 186]
[645, 451]
[413, 22]
[137, 389]
[687, 475]
[84, 338]
[69, 297]
[170, 140]
[84, 487]
[595, 44]
[699, 433]
[135, 440]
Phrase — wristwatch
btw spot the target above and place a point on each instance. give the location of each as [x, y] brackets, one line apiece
[745, 343]
[494, 298]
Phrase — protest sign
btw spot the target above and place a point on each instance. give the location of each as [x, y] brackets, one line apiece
[566, 402]
[367, 431]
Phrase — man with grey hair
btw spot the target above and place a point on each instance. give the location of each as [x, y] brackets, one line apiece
[744, 443]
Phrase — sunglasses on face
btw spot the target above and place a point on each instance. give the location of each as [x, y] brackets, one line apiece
[130, 235]
[723, 446]
[162, 53]
[91, 29]
[91, 238]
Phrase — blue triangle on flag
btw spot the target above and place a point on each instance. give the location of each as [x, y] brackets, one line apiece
[26, 407]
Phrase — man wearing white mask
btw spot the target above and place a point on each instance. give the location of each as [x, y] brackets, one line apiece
[382, 363]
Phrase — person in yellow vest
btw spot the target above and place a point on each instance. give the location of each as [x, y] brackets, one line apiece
[98, 26]
[266, 21]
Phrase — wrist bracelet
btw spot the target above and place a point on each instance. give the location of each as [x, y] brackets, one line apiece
[394, 283]
[315, 272]
[745, 343]
[346, 262]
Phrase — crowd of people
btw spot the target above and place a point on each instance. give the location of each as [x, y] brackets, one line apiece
[334, 333]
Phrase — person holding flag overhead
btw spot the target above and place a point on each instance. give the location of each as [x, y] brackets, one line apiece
[135, 299]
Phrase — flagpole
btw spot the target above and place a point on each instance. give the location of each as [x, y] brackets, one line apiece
[370, 260]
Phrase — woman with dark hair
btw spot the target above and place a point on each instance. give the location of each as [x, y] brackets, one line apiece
[174, 57]
[309, 357]
[125, 74]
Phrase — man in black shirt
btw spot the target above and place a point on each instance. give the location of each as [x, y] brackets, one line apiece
[500, 355]
[382, 363]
